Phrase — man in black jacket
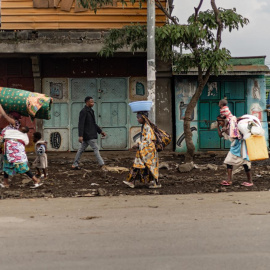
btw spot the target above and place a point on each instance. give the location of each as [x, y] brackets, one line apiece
[88, 130]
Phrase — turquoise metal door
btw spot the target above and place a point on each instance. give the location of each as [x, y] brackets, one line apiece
[79, 89]
[110, 96]
[235, 93]
[208, 110]
[113, 113]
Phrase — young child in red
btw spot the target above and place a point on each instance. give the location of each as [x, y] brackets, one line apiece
[232, 120]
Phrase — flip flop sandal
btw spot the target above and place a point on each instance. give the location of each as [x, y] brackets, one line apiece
[247, 184]
[37, 185]
[225, 183]
[131, 185]
[155, 186]
[76, 168]
[3, 186]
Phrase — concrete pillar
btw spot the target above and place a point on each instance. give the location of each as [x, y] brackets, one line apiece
[37, 85]
[151, 57]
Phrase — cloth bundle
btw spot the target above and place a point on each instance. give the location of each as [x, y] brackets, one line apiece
[26, 103]
[14, 134]
[250, 125]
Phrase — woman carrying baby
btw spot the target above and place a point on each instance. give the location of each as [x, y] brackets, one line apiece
[15, 159]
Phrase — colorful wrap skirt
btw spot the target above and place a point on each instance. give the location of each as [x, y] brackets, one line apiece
[14, 168]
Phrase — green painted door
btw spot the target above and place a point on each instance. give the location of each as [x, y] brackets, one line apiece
[208, 110]
[110, 96]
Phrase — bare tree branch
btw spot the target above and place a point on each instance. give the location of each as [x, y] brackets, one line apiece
[218, 21]
[198, 9]
[172, 18]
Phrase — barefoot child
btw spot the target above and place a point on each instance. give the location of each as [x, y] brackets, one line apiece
[41, 161]
[232, 120]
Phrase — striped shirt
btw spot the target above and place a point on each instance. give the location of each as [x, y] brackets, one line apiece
[225, 111]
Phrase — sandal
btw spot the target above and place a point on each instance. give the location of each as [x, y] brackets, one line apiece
[131, 185]
[247, 184]
[225, 183]
[155, 186]
[36, 185]
[75, 168]
[3, 185]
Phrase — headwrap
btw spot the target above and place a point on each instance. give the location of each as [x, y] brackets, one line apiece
[140, 114]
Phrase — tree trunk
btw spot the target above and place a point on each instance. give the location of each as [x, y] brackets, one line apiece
[187, 120]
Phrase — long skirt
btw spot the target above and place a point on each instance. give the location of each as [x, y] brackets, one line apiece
[14, 168]
[143, 175]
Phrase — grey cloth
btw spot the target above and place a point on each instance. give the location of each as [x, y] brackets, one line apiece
[84, 145]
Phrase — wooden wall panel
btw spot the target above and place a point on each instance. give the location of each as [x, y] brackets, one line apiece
[20, 14]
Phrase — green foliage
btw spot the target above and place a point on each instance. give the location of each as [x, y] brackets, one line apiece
[198, 36]
[229, 18]
[132, 36]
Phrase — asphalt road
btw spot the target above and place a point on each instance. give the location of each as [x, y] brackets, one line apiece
[194, 232]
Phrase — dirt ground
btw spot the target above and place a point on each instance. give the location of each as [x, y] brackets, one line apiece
[92, 181]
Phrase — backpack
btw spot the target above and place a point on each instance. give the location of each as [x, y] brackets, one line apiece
[163, 138]
[41, 150]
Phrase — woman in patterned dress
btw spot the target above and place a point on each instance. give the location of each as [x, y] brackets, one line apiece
[145, 166]
[16, 149]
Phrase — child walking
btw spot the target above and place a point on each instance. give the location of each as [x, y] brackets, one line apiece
[41, 161]
[232, 120]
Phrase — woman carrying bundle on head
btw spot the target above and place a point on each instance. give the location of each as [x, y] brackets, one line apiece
[145, 166]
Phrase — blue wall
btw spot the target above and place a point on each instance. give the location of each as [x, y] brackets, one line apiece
[256, 100]
[185, 88]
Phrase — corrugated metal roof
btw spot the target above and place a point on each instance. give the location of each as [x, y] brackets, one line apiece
[240, 66]
[251, 68]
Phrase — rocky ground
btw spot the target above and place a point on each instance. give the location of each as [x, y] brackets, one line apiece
[92, 181]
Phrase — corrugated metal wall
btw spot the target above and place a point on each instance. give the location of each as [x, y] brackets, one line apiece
[20, 14]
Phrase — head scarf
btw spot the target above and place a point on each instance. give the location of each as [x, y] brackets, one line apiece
[140, 114]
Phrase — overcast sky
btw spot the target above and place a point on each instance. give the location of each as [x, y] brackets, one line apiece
[253, 39]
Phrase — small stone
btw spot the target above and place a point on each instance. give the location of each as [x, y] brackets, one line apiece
[164, 165]
[212, 167]
[102, 191]
[187, 167]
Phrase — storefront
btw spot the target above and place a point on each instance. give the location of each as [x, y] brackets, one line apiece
[243, 87]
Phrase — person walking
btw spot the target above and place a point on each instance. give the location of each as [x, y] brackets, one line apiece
[88, 130]
[15, 159]
[146, 163]
[237, 156]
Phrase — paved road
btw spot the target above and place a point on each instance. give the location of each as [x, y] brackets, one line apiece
[194, 232]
